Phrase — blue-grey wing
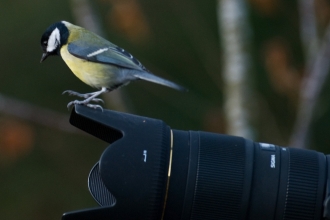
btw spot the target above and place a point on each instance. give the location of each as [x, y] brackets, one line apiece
[107, 54]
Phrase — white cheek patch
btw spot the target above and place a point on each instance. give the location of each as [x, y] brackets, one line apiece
[53, 40]
[98, 52]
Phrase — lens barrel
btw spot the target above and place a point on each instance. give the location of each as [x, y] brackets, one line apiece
[217, 176]
[214, 183]
[212, 176]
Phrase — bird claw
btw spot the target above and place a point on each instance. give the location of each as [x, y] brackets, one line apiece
[76, 102]
[73, 103]
[73, 93]
[89, 97]
[97, 100]
[95, 106]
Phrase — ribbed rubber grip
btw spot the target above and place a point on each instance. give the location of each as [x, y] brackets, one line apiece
[220, 178]
[304, 176]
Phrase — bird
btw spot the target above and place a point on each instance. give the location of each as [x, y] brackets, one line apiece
[95, 61]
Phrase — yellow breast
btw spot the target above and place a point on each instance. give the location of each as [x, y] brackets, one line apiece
[93, 74]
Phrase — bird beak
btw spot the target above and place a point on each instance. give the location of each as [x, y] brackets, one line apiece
[44, 56]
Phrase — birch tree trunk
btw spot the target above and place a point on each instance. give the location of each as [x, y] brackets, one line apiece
[310, 91]
[234, 30]
[317, 62]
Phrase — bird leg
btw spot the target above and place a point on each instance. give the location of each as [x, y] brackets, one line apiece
[88, 98]
[71, 92]
[86, 95]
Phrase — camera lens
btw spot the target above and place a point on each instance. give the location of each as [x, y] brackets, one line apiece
[217, 176]
[151, 171]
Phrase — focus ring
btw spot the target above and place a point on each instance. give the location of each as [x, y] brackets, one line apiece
[220, 177]
[302, 187]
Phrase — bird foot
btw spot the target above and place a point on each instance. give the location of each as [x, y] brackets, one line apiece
[85, 96]
[97, 100]
[73, 93]
[95, 106]
[89, 97]
[84, 102]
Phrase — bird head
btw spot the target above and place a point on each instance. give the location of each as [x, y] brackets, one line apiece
[54, 38]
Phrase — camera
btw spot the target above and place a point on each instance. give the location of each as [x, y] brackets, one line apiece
[150, 171]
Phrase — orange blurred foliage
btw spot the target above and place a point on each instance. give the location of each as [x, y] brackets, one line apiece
[213, 121]
[322, 9]
[284, 78]
[16, 140]
[265, 7]
[126, 16]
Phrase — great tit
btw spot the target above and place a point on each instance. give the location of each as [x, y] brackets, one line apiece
[95, 61]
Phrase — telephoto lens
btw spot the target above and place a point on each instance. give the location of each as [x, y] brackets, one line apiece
[150, 171]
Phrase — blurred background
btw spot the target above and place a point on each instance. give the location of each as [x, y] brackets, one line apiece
[254, 68]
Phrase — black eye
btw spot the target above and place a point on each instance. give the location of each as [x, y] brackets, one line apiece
[44, 43]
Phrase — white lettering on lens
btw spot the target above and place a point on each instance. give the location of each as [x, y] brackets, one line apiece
[272, 161]
[145, 155]
[266, 145]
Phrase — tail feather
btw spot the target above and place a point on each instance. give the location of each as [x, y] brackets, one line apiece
[155, 79]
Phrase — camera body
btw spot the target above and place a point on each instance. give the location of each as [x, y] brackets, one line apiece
[150, 171]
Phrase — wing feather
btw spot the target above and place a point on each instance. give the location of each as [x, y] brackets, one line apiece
[107, 54]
